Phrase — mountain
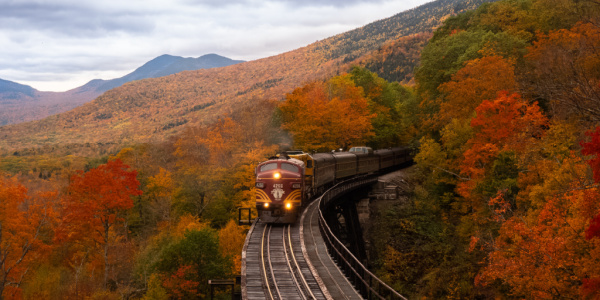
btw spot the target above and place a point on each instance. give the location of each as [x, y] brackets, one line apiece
[161, 66]
[154, 109]
[21, 103]
[12, 90]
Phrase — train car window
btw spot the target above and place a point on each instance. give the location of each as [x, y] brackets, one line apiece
[268, 167]
[289, 167]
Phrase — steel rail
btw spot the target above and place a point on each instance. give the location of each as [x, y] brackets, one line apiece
[264, 265]
[303, 279]
[287, 260]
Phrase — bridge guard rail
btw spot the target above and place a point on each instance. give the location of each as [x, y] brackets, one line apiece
[243, 274]
[366, 282]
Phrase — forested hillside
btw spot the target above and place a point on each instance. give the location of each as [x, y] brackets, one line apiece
[396, 60]
[506, 201]
[154, 109]
[22, 103]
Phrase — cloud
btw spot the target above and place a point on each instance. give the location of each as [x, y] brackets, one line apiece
[60, 44]
[72, 19]
[295, 3]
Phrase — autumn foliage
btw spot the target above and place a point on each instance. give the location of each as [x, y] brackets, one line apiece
[593, 148]
[481, 79]
[567, 64]
[327, 115]
[503, 200]
[505, 124]
[23, 224]
[507, 173]
[357, 108]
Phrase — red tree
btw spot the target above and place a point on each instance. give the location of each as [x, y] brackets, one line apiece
[593, 148]
[95, 205]
[506, 123]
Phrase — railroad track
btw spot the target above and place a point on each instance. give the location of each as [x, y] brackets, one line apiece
[283, 271]
[275, 266]
[280, 267]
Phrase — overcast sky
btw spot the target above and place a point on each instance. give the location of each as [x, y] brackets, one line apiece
[57, 45]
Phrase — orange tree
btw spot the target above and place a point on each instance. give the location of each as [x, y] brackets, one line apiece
[23, 227]
[480, 79]
[327, 115]
[566, 71]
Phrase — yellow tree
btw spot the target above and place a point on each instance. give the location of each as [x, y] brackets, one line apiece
[231, 242]
[244, 176]
[160, 190]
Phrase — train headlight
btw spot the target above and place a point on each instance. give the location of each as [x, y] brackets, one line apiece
[277, 175]
[296, 185]
[288, 205]
[266, 204]
[260, 185]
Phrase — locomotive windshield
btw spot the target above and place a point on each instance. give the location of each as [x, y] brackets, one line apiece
[289, 167]
[268, 167]
[284, 166]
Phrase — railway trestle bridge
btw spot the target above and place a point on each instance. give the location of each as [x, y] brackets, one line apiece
[308, 260]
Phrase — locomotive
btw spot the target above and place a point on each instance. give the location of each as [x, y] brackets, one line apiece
[286, 182]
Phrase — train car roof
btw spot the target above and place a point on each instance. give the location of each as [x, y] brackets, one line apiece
[383, 151]
[343, 154]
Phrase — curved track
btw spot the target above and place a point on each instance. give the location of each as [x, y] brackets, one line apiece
[331, 279]
[293, 261]
[277, 269]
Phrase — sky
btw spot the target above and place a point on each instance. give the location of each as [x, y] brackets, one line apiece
[57, 45]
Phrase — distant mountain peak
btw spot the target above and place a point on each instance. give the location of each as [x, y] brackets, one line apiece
[27, 103]
[164, 65]
[15, 88]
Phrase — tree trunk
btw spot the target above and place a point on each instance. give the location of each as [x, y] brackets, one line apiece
[106, 229]
[3, 281]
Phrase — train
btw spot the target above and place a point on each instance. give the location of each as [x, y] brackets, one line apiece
[286, 182]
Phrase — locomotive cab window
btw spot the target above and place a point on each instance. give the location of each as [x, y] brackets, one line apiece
[268, 167]
[289, 167]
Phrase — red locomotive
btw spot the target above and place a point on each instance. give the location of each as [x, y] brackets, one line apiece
[279, 189]
[287, 182]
